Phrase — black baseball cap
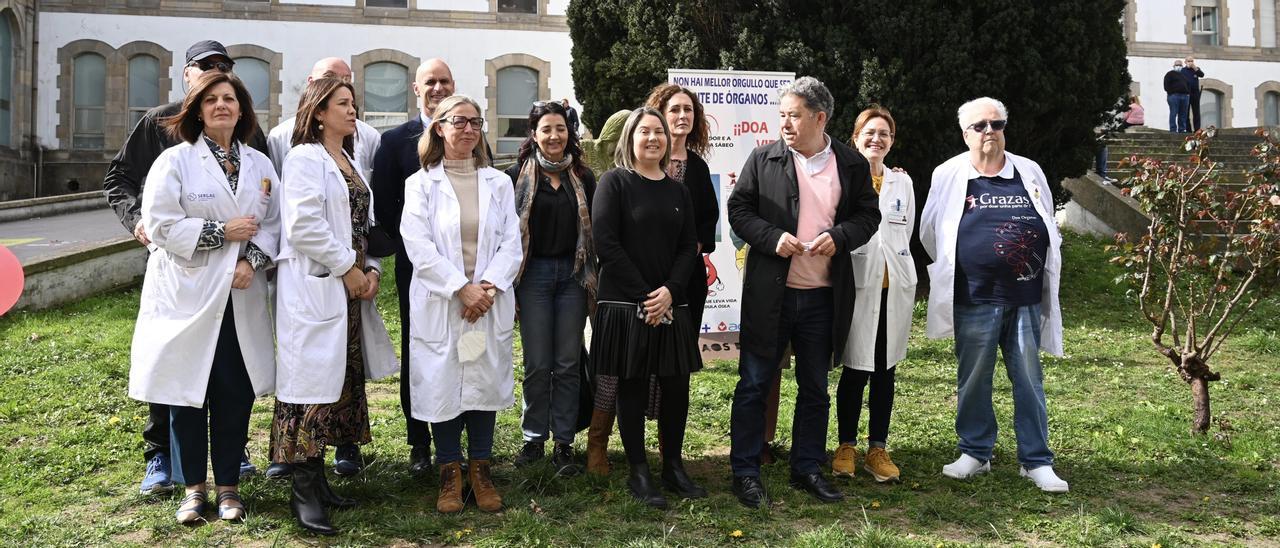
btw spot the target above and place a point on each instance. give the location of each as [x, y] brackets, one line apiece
[205, 48]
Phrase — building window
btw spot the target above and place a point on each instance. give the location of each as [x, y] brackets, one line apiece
[1266, 24]
[89, 95]
[1204, 24]
[518, 6]
[1271, 108]
[256, 75]
[1211, 108]
[144, 86]
[517, 91]
[386, 3]
[6, 81]
[385, 103]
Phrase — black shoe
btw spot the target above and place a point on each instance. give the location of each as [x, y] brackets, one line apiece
[420, 460]
[562, 459]
[815, 484]
[642, 487]
[347, 461]
[677, 480]
[305, 501]
[750, 491]
[279, 471]
[532, 451]
[246, 467]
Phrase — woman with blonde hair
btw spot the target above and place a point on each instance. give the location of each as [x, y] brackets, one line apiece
[462, 234]
[643, 227]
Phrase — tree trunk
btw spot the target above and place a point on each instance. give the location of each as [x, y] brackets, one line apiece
[1200, 405]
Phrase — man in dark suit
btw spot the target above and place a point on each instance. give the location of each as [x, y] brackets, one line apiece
[395, 161]
[802, 203]
[123, 187]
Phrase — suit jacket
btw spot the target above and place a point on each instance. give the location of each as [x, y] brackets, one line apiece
[396, 160]
[766, 203]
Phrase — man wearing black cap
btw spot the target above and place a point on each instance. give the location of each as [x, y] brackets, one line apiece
[123, 188]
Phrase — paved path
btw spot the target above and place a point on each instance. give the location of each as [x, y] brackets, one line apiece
[32, 240]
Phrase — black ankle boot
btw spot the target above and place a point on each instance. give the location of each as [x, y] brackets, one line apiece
[642, 487]
[677, 480]
[330, 498]
[306, 501]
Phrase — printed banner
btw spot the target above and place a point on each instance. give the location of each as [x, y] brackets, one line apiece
[742, 112]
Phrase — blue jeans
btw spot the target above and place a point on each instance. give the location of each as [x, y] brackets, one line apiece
[1179, 109]
[806, 323]
[979, 329]
[553, 311]
[448, 436]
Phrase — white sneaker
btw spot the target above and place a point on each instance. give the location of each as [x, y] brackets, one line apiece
[1045, 479]
[965, 467]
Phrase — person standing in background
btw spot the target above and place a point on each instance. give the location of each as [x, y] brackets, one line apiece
[1193, 74]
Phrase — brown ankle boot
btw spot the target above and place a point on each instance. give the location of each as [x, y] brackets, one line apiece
[598, 442]
[450, 500]
[487, 497]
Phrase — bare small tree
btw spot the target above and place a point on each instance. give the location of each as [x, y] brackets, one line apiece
[1211, 253]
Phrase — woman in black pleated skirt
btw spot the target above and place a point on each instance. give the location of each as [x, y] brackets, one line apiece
[643, 227]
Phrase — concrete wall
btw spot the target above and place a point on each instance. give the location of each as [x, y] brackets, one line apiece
[15, 176]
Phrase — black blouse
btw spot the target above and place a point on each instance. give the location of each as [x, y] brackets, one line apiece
[553, 222]
[644, 235]
[706, 204]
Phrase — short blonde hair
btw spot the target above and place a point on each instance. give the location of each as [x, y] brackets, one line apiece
[431, 145]
[624, 156]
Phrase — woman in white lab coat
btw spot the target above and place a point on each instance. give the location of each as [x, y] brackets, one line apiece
[885, 276]
[331, 338]
[462, 234]
[202, 343]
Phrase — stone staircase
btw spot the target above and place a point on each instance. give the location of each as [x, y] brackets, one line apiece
[1231, 147]
[1098, 206]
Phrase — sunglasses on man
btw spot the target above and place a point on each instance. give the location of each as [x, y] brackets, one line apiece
[996, 125]
[206, 65]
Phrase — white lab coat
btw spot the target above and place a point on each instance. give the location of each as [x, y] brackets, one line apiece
[443, 388]
[185, 291]
[940, 222]
[315, 252]
[367, 141]
[889, 248]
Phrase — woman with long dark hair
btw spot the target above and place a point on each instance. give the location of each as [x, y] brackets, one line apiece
[557, 280]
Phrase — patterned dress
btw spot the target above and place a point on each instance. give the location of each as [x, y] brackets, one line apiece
[301, 431]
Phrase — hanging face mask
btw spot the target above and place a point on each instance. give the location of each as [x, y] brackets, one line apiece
[473, 343]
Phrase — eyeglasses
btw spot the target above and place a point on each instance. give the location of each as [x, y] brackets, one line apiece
[220, 66]
[459, 122]
[996, 125]
[883, 135]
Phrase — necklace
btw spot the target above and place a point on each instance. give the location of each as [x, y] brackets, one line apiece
[337, 159]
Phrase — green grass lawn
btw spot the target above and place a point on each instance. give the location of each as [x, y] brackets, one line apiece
[71, 453]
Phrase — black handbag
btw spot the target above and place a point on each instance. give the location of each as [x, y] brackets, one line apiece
[379, 243]
[586, 390]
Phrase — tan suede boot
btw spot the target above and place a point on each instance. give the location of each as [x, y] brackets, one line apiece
[487, 497]
[450, 500]
[598, 442]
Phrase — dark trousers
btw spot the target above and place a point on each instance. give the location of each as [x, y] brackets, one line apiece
[805, 323]
[853, 381]
[479, 426]
[673, 415]
[218, 430]
[1195, 110]
[155, 433]
[418, 434]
